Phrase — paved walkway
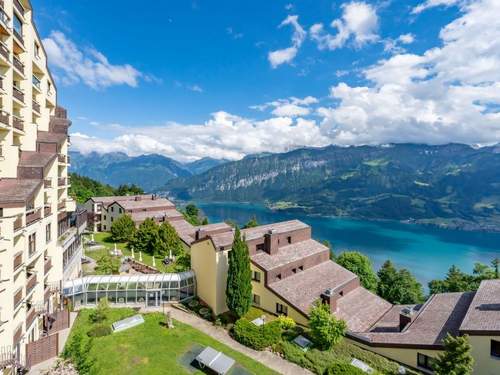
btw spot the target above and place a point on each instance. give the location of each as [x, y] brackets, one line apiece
[268, 359]
[63, 337]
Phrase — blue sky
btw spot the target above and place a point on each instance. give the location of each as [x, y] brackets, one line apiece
[190, 79]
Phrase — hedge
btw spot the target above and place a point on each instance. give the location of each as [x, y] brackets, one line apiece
[339, 368]
[257, 337]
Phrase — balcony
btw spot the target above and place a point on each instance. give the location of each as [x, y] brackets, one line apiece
[61, 181]
[30, 283]
[46, 293]
[30, 316]
[33, 215]
[47, 183]
[4, 117]
[61, 158]
[18, 260]
[47, 266]
[37, 83]
[18, 223]
[36, 106]
[61, 205]
[18, 64]
[18, 94]
[47, 210]
[4, 18]
[17, 123]
[4, 51]
[19, 7]
[18, 298]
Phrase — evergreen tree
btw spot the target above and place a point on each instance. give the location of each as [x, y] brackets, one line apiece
[326, 329]
[239, 275]
[146, 238]
[169, 240]
[398, 286]
[456, 359]
[252, 223]
[123, 229]
[495, 263]
[360, 265]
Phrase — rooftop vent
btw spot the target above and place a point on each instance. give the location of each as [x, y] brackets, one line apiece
[137, 198]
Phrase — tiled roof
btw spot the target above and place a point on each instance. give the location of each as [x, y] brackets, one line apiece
[49, 137]
[185, 230]
[282, 227]
[143, 215]
[118, 198]
[440, 315]
[484, 311]
[145, 203]
[288, 254]
[36, 159]
[17, 191]
[222, 239]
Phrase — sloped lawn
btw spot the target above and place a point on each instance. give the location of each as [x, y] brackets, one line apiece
[146, 349]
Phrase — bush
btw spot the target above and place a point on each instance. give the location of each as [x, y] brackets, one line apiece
[100, 313]
[76, 349]
[100, 331]
[338, 368]
[326, 329]
[286, 322]
[258, 338]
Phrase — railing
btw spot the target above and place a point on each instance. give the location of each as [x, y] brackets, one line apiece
[18, 260]
[46, 293]
[19, 7]
[47, 183]
[17, 63]
[4, 51]
[36, 82]
[62, 158]
[61, 181]
[1, 81]
[17, 123]
[33, 215]
[4, 117]
[18, 223]
[47, 266]
[3, 16]
[18, 334]
[30, 283]
[30, 316]
[36, 106]
[18, 297]
[61, 205]
[47, 210]
[18, 94]
[18, 34]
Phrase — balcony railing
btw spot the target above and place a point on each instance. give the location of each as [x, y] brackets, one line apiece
[46, 293]
[47, 210]
[47, 183]
[18, 260]
[18, 297]
[36, 106]
[19, 7]
[62, 158]
[4, 51]
[61, 205]
[30, 316]
[4, 117]
[47, 266]
[61, 181]
[18, 223]
[37, 83]
[33, 215]
[18, 64]
[1, 82]
[3, 16]
[18, 334]
[17, 123]
[18, 94]
[30, 283]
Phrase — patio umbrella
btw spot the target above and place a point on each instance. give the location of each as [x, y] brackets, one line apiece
[92, 237]
[154, 262]
[133, 255]
[140, 256]
[170, 254]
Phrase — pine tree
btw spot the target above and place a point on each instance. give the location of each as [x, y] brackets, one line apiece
[239, 275]
[456, 359]
[398, 286]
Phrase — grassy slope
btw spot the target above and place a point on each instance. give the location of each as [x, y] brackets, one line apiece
[150, 348]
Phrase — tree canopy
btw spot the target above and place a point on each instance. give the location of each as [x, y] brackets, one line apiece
[146, 238]
[123, 229]
[456, 358]
[168, 240]
[82, 188]
[360, 265]
[239, 275]
[398, 286]
[252, 223]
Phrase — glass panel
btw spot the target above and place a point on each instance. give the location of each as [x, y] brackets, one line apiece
[120, 297]
[92, 287]
[131, 296]
[112, 296]
[174, 295]
[141, 296]
[91, 298]
[101, 295]
[132, 286]
[102, 286]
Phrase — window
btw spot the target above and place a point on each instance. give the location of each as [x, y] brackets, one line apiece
[301, 268]
[260, 246]
[278, 276]
[289, 239]
[256, 276]
[281, 309]
[37, 50]
[294, 270]
[104, 217]
[111, 218]
[425, 361]
[104, 227]
[112, 209]
[49, 87]
[256, 299]
[18, 25]
[32, 243]
[48, 232]
[495, 348]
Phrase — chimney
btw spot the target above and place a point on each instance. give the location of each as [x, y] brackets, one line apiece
[406, 316]
[271, 242]
[330, 297]
[137, 198]
[198, 234]
[153, 197]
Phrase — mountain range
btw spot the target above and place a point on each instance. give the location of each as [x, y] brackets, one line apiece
[451, 185]
[150, 172]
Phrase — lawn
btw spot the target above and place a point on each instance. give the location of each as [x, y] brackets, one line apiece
[149, 348]
[104, 238]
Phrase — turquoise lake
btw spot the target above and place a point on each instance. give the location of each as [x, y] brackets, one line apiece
[428, 252]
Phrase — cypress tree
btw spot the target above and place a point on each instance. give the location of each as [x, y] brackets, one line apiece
[239, 275]
[456, 359]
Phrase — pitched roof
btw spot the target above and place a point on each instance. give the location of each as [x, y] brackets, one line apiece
[36, 159]
[483, 314]
[282, 227]
[118, 198]
[143, 215]
[130, 204]
[17, 191]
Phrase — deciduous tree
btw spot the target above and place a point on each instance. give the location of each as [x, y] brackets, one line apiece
[326, 329]
[398, 286]
[123, 229]
[360, 265]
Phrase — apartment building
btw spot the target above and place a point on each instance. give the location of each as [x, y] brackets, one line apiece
[36, 249]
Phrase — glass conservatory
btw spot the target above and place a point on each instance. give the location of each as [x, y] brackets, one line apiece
[142, 290]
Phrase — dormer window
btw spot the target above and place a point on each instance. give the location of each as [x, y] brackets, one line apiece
[278, 276]
[289, 239]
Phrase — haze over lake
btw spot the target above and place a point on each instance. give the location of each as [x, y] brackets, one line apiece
[428, 252]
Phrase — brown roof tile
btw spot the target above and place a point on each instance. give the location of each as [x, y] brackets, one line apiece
[49, 137]
[17, 191]
[282, 227]
[145, 203]
[36, 159]
[483, 314]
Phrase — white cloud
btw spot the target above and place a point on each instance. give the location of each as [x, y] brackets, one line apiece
[286, 55]
[289, 107]
[235, 35]
[359, 22]
[72, 65]
[394, 45]
[189, 86]
[448, 94]
[434, 3]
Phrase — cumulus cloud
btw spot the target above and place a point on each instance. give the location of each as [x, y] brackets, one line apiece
[74, 65]
[448, 94]
[286, 55]
[289, 107]
[434, 3]
[359, 23]
[395, 45]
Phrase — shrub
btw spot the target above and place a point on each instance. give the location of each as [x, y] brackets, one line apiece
[123, 229]
[258, 338]
[77, 350]
[338, 368]
[326, 329]
[100, 331]
[286, 322]
[100, 313]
